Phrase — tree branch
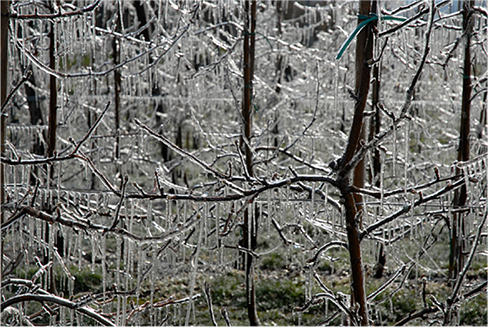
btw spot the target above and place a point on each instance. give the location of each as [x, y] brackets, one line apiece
[58, 300]
[36, 16]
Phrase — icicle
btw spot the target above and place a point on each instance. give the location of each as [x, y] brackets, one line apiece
[78, 250]
[117, 278]
[152, 281]
[205, 224]
[48, 183]
[93, 242]
[141, 259]
[405, 165]
[124, 310]
[168, 214]
[58, 191]
[100, 202]
[312, 202]
[130, 268]
[394, 155]
[16, 193]
[52, 230]
[104, 269]
[32, 228]
[83, 34]
[269, 207]
[308, 284]
[194, 264]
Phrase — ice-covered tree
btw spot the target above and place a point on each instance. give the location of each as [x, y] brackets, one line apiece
[335, 146]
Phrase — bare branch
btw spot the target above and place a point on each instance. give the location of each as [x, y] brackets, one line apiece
[359, 155]
[407, 207]
[122, 198]
[12, 92]
[387, 283]
[180, 151]
[60, 14]
[454, 295]
[224, 314]
[208, 296]
[325, 247]
[58, 300]
[90, 131]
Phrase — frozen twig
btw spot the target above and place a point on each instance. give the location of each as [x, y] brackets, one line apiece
[24, 79]
[180, 151]
[325, 247]
[314, 116]
[432, 10]
[242, 249]
[404, 23]
[224, 314]
[402, 8]
[42, 269]
[359, 154]
[407, 207]
[280, 232]
[387, 283]
[208, 296]
[413, 189]
[87, 225]
[86, 310]
[90, 131]
[167, 46]
[316, 299]
[59, 14]
[122, 198]
[454, 294]
[243, 163]
[291, 155]
[416, 315]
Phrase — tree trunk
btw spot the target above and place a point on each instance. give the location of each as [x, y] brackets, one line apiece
[456, 260]
[5, 5]
[375, 126]
[352, 203]
[51, 145]
[36, 118]
[249, 238]
[279, 68]
[117, 85]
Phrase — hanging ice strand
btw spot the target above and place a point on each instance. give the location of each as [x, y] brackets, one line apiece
[194, 265]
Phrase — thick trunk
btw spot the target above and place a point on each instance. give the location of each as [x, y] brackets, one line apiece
[155, 92]
[3, 95]
[456, 261]
[117, 84]
[249, 239]
[51, 144]
[53, 97]
[358, 293]
[36, 118]
[375, 126]
[279, 68]
[353, 203]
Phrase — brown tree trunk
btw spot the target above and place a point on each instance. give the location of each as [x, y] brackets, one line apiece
[117, 86]
[456, 260]
[53, 95]
[5, 5]
[51, 144]
[36, 118]
[375, 125]
[279, 68]
[352, 203]
[249, 238]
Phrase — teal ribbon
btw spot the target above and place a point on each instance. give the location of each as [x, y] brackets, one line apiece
[360, 27]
